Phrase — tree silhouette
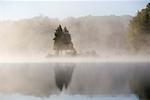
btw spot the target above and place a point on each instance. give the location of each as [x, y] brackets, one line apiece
[62, 40]
[58, 39]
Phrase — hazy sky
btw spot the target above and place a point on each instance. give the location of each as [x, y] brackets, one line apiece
[16, 9]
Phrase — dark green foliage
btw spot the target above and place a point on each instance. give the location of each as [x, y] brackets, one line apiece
[58, 44]
[62, 40]
[139, 30]
[141, 22]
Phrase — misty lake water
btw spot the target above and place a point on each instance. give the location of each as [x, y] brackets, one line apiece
[90, 81]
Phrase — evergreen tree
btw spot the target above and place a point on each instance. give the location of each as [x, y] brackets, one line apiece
[139, 30]
[62, 40]
[58, 39]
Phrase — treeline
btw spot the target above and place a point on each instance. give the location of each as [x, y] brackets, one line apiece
[139, 32]
[102, 34]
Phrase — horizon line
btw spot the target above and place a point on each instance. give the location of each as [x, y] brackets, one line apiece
[76, 17]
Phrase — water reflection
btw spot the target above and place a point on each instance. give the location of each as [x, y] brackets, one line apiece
[43, 79]
[63, 75]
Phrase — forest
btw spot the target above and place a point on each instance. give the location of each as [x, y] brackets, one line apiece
[105, 35]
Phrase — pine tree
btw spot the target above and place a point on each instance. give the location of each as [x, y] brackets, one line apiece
[58, 39]
[62, 40]
[139, 30]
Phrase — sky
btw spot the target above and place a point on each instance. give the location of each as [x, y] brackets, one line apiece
[19, 9]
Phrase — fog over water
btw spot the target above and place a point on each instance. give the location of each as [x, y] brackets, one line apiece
[67, 97]
[88, 78]
[104, 67]
[104, 35]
